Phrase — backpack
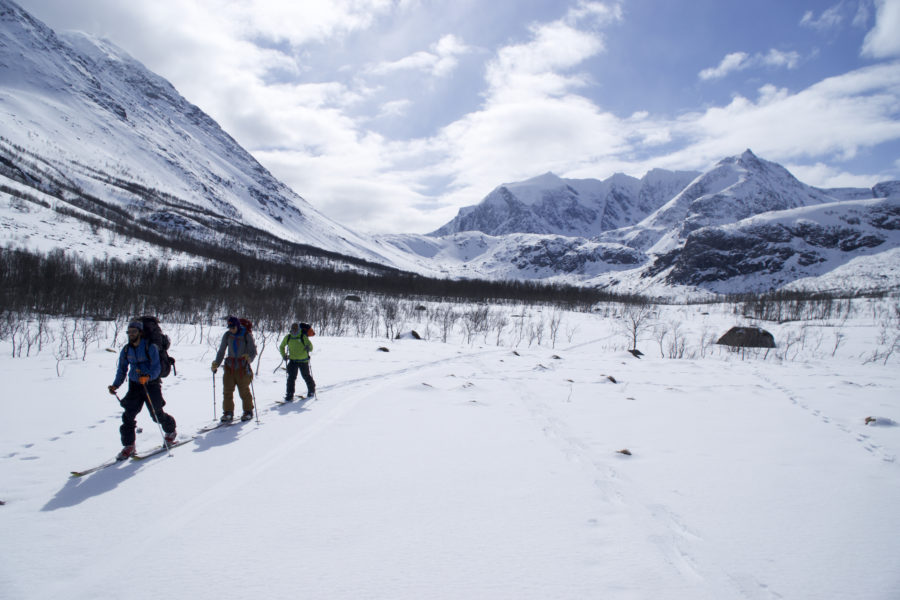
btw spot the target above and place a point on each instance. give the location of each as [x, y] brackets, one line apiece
[154, 335]
[246, 324]
[307, 329]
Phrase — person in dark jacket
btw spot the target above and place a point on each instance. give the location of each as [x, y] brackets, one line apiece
[241, 348]
[140, 359]
[299, 347]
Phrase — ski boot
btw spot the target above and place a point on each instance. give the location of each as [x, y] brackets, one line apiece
[126, 452]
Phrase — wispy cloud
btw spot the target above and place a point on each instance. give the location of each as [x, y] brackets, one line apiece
[736, 61]
[394, 108]
[829, 18]
[438, 61]
[739, 61]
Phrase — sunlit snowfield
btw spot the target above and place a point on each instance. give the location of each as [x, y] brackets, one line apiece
[472, 469]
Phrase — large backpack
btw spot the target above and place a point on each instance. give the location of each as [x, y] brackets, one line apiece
[307, 329]
[246, 324]
[154, 335]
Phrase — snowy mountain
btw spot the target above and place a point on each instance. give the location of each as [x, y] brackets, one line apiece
[90, 127]
[571, 207]
[747, 224]
[777, 247]
[736, 188]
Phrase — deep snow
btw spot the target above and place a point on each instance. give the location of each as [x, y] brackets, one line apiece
[449, 470]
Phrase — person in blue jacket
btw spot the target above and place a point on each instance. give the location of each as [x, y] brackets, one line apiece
[140, 359]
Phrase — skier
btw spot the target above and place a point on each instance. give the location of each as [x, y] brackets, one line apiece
[143, 386]
[299, 348]
[241, 351]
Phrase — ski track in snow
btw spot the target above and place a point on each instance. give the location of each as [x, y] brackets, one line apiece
[676, 541]
[797, 400]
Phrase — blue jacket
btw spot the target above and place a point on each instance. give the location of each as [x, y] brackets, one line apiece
[144, 360]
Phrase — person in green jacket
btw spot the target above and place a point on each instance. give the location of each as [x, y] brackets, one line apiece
[298, 350]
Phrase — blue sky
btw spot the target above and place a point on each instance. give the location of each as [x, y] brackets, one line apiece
[390, 115]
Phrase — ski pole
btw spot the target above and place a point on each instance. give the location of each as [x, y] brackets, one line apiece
[283, 360]
[156, 418]
[253, 393]
[313, 377]
[214, 396]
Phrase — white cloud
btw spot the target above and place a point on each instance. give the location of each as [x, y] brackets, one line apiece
[735, 61]
[883, 41]
[739, 61]
[438, 62]
[829, 19]
[394, 108]
[859, 109]
[538, 68]
[861, 18]
[777, 58]
[296, 21]
[827, 176]
[601, 13]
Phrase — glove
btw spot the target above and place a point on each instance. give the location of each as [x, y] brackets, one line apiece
[284, 357]
[143, 379]
[215, 366]
[112, 389]
[245, 357]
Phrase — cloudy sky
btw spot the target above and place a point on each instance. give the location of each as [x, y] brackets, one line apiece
[390, 115]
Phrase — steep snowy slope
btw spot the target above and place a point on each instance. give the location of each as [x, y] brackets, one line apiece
[85, 122]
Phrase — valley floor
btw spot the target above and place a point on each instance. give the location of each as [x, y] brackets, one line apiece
[462, 471]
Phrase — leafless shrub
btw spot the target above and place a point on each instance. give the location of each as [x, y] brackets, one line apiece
[88, 332]
[678, 342]
[660, 331]
[554, 323]
[447, 318]
[634, 320]
[475, 320]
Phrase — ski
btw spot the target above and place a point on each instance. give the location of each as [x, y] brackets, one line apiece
[95, 469]
[159, 449]
[297, 399]
[218, 424]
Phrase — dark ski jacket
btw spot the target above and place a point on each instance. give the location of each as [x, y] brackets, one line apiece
[144, 360]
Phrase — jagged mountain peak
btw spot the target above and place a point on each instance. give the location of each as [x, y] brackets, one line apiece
[737, 187]
[550, 204]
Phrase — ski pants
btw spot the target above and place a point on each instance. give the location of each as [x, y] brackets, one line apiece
[239, 378]
[303, 366]
[134, 401]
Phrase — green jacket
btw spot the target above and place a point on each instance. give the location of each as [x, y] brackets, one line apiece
[298, 346]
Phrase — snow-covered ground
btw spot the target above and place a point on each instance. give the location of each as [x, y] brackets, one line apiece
[454, 470]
